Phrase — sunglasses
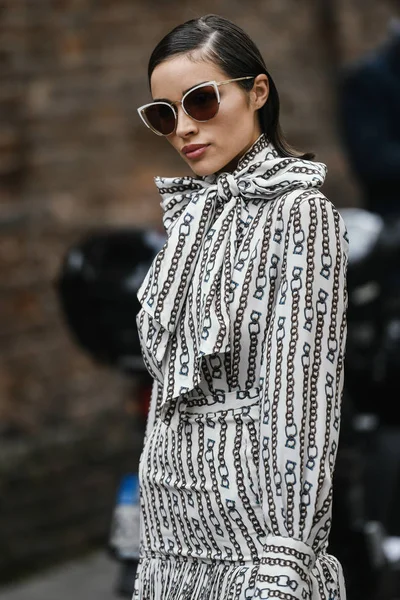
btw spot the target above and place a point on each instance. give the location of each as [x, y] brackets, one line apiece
[201, 103]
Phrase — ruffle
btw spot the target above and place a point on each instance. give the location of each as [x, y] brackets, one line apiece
[188, 578]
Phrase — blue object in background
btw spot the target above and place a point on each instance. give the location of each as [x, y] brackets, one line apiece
[125, 523]
[128, 491]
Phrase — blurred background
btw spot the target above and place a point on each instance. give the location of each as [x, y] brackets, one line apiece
[75, 161]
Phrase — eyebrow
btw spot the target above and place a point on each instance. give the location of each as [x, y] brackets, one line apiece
[183, 93]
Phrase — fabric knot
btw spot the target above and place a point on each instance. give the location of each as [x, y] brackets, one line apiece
[227, 187]
[286, 548]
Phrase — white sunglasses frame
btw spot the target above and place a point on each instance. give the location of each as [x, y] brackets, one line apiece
[172, 105]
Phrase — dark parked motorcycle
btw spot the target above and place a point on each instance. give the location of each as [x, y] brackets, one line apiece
[97, 287]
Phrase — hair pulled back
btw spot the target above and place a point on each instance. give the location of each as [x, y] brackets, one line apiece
[226, 45]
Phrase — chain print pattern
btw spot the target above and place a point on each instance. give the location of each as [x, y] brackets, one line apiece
[273, 479]
[153, 491]
[213, 518]
[210, 459]
[243, 327]
[192, 477]
[239, 321]
[305, 362]
[184, 233]
[326, 260]
[255, 454]
[203, 480]
[180, 486]
[291, 428]
[242, 490]
[243, 303]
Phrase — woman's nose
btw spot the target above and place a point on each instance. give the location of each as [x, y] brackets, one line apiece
[185, 124]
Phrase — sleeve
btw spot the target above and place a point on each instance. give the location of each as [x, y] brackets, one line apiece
[301, 383]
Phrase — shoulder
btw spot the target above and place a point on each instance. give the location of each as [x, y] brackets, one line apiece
[301, 203]
[309, 211]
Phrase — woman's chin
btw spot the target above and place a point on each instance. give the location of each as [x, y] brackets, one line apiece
[204, 169]
[201, 172]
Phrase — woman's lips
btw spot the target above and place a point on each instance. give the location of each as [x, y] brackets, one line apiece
[196, 152]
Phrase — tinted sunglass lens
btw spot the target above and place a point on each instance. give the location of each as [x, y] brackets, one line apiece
[161, 117]
[202, 104]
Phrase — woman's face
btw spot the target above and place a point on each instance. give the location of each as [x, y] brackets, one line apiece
[228, 135]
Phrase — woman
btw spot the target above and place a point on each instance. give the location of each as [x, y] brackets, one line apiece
[243, 328]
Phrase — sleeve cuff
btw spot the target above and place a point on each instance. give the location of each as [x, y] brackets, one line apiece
[285, 569]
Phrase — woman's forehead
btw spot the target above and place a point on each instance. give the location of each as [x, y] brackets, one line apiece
[173, 77]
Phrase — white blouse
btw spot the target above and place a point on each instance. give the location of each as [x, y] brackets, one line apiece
[243, 327]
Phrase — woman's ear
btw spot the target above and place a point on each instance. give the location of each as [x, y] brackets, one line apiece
[260, 91]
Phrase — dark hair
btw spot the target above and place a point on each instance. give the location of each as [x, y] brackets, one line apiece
[230, 48]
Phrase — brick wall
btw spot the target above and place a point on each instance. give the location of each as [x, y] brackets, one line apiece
[74, 156]
[57, 491]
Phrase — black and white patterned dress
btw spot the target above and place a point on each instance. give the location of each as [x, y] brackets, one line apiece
[243, 328]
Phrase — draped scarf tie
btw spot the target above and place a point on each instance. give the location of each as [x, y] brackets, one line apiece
[206, 220]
